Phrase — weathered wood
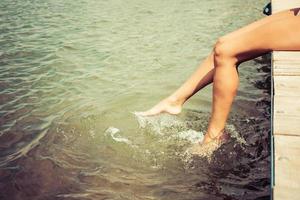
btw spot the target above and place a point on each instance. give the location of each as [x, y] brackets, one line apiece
[286, 116]
[287, 86]
[286, 76]
[278, 5]
[286, 63]
[287, 126]
[287, 163]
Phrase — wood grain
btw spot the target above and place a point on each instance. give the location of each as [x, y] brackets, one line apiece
[286, 63]
[287, 163]
[278, 5]
[286, 116]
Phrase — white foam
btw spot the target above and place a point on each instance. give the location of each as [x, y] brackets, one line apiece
[191, 135]
[114, 133]
[159, 123]
[201, 150]
[234, 134]
[174, 126]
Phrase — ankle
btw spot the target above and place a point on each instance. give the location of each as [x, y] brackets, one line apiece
[215, 133]
[174, 100]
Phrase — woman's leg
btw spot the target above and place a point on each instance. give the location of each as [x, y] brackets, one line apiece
[283, 34]
[205, 72]
[198, 80]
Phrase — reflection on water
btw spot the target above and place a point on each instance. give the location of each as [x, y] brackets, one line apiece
[71, 75]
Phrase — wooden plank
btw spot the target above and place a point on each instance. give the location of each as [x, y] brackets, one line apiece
[287, 86]
[286, 115]
[286, 125]
[286, 63]
[287, 165]
[278, 5]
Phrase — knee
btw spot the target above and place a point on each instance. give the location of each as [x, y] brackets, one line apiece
[223, 52]
[221, 47]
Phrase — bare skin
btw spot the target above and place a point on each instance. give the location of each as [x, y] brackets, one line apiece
[279, 31]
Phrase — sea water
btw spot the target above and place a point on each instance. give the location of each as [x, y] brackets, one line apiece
[73, 72]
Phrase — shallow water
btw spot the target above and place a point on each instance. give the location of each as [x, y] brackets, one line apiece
[73, 72]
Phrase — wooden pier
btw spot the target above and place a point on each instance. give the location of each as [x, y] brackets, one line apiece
[286, 117]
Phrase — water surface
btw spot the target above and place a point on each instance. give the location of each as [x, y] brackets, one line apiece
[72, 73]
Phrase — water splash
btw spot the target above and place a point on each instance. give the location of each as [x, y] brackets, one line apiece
[200, 150]
[230, 128]
[114, 133]
[191, 135]
[183, 129]
[159, 124]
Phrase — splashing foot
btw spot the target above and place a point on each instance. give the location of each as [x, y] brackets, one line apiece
[167, 105]
[208, 145]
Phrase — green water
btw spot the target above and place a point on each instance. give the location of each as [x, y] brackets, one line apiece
[72, 73]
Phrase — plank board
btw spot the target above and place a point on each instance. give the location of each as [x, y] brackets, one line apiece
[286, 63]
[286, 115]
[287, 86]
[287, 125]
[278, 5]
[287, 163]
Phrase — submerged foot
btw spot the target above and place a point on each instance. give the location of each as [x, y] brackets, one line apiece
[165, 106]
[203, 150]
[209, 144]
[220, 137]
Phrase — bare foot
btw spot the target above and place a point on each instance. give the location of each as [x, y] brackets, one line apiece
[167, 105]
[209, 144]
[220, 137]
[203, 150]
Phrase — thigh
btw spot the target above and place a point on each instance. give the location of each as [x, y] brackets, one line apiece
[272, 18]
[282, 34]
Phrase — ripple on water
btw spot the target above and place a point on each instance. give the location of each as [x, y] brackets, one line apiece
[71, 72]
